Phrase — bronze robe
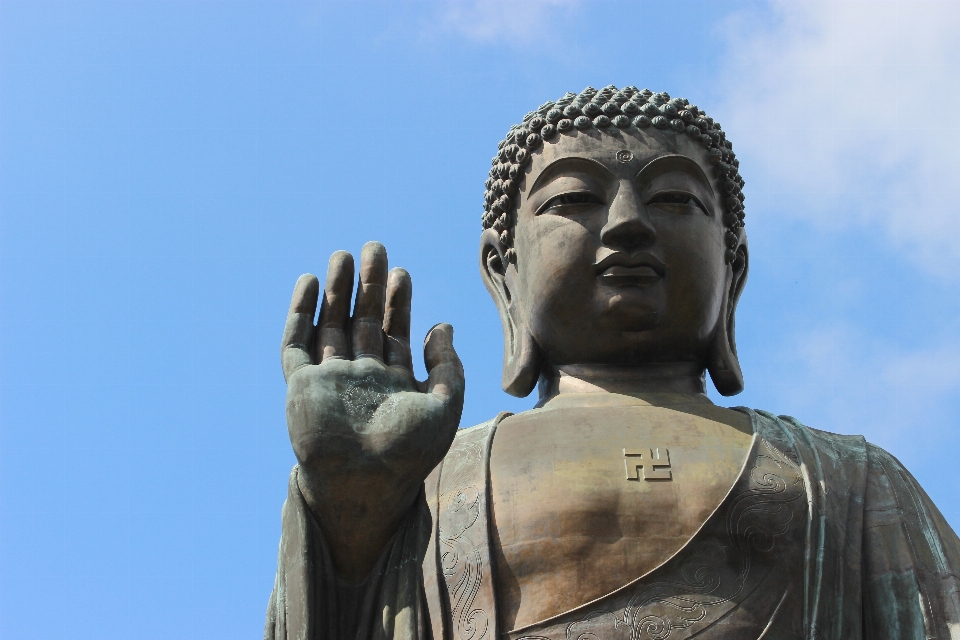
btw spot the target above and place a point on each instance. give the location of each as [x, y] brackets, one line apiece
[822, 536]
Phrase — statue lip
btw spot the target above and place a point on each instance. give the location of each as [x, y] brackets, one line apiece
[638, 269]
[620, 264]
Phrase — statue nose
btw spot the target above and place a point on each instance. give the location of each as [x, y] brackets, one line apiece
[628, 225]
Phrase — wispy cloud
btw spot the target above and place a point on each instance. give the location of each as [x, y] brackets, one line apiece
[518, 23]
[841, 379]
[853, 117]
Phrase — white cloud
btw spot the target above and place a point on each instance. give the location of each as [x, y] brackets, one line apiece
[842, 380]
[858, 120]
[515, 22]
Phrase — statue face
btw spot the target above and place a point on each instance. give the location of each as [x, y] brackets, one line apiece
[620, 250]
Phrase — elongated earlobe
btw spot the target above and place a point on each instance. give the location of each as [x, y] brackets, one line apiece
[522, 361]
[722, 362]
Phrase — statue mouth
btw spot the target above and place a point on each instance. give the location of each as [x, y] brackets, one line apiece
[637, 270]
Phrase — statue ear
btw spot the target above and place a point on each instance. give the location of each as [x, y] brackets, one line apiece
[722, 361]
[521, 356]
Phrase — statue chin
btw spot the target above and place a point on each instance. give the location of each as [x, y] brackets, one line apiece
[625, 504]
[630, 318]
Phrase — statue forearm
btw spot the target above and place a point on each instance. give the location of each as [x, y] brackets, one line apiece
[358, 514]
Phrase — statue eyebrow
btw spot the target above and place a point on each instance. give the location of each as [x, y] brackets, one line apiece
[663, 164]
[547, 172]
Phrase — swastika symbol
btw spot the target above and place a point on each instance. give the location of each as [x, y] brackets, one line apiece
[654, 462]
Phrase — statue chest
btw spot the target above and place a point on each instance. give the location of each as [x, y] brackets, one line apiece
[587, 499]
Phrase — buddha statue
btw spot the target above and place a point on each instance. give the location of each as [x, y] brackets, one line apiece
[625, 505]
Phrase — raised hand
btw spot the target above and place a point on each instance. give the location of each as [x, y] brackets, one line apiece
[365, 432]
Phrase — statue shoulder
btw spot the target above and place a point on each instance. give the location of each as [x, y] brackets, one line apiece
[469, 444]
[892, 492]
[477, 432]
[814, 441]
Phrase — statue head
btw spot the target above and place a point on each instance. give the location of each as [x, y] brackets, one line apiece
[613, 235]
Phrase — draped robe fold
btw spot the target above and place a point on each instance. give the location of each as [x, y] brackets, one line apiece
[822, 536]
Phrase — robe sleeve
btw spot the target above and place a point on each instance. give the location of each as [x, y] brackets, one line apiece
[911, 558]
[309, 603]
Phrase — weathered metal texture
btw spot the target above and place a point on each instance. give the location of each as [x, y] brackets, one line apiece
[740, 570]
[593, 491]
[818, 536]
[311, 602]
[626, 505]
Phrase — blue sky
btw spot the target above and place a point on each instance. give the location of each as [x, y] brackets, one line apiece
[168, 169]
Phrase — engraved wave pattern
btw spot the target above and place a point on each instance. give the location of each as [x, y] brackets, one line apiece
[460, 559]
[715, 572]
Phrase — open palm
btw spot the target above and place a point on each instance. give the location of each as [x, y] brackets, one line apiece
[365, 432]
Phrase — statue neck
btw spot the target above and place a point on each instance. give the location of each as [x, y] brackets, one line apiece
[639, 380]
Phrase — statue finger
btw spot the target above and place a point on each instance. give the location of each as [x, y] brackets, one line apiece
[298, 333]
[444, 369]
[335, 308]
[396, 319]
[367, 323]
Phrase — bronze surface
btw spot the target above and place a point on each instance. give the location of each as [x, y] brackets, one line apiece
[626, 505]
[574, 520]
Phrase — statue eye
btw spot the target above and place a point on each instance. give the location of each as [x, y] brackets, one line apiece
[571, 199]
[676, 199]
